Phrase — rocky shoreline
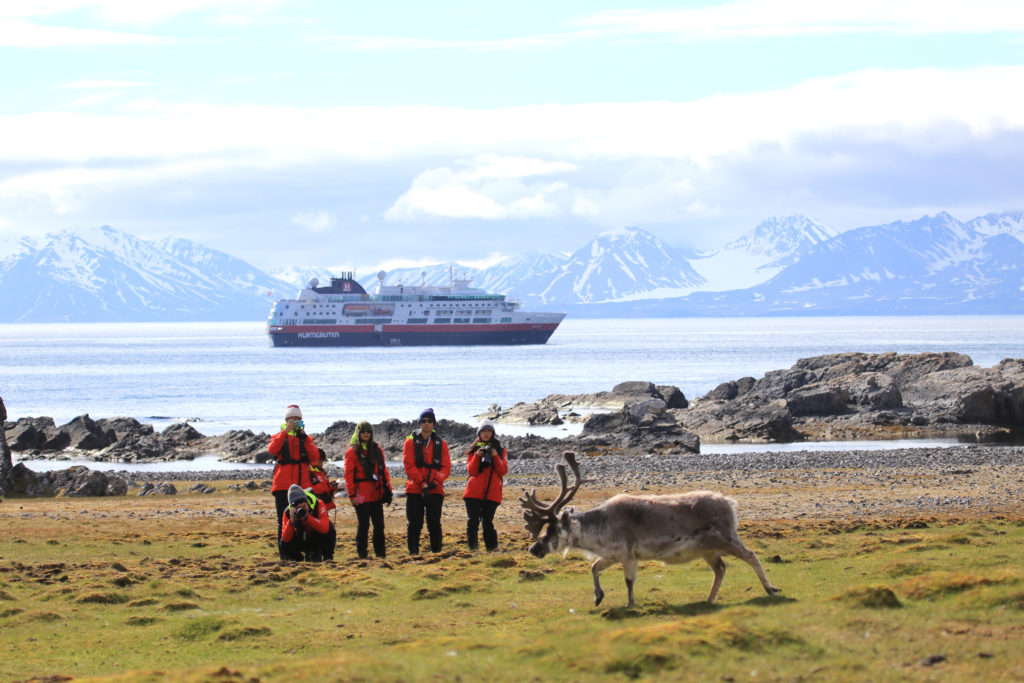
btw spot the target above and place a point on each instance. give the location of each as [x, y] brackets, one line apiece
[849, 396]
[956, 481]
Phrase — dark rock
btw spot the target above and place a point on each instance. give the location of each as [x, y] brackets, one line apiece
[739, 421]
[74, 481]
[25, 482]
[124, 427]
[241, 446]
[817, 399]
[30, 433]
[181, 434]
[645, 425]
[84, 434]
[163, 488]
[673, 397]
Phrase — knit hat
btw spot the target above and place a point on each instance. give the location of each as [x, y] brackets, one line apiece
[363, 426]
[429, 412]
[295, 494]
[486, 424]
[292, 411]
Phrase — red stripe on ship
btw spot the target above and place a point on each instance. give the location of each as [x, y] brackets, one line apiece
[469, 327]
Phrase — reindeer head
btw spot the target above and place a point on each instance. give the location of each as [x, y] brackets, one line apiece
[538, 516]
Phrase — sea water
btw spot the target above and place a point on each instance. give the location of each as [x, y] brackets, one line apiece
[223, 376]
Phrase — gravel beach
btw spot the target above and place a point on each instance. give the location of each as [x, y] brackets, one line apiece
[960, 481]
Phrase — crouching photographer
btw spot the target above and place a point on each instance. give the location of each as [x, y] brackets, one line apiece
[306, 530]
[487, 466]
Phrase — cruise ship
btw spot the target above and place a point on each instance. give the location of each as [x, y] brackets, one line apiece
[344, 314]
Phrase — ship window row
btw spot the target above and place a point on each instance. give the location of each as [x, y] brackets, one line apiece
[417, 321]
[319, 321]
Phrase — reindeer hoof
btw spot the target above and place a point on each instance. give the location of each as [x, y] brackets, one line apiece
[773, 590]
[598, 597]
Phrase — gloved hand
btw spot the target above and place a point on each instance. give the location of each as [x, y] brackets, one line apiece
[429, 485]
[387, 497]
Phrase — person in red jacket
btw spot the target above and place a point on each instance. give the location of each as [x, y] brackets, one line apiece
[427, 464]
[369, 488]
[293, 451]
[306, 530]
[486, 466]
[323, 487]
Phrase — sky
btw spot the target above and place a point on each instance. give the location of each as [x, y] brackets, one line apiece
[361, 135]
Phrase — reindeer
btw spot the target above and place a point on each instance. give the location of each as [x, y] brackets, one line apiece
[674, 529]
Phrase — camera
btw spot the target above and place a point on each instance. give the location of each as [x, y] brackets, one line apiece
[300, 513]
[486, 455]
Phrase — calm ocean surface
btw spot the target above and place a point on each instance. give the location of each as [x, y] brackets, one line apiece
[227, 376]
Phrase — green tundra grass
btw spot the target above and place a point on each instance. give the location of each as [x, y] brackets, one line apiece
[188, 588]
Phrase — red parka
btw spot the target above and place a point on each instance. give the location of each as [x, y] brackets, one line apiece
[323, 487]
[435, 466]
[485, 483]
[317, 521]
[293, 460]
[366, 485]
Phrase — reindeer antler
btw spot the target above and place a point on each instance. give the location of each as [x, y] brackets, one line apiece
[537, 514]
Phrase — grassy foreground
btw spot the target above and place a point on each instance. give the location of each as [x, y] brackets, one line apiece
[187, 588]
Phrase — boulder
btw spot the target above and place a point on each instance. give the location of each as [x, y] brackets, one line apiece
[164, 488]
[74, 481]
[673, 397]
[645, 427]
[240, 446]
[740, 421]
[181, 434]
[821, 398]
[123, 427]
[139, 448]
[971, 395]
[84, 434]
[30, 433]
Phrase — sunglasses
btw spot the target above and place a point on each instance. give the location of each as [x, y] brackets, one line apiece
[426, 421]
[366, 431]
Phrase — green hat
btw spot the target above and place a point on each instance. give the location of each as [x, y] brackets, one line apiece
[363, 426]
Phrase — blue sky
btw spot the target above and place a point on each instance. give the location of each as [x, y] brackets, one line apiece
[365, 135]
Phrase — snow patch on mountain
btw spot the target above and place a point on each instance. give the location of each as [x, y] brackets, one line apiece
[773, 245]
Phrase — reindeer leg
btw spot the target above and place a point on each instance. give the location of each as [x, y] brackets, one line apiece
[629, 568]
[717, 565]
[741, 551]
[599, 565]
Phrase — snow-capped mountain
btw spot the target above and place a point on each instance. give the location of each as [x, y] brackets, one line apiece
[933, 265]
[794, 265]
[762, 253]
[298, 276]
[616, 265]
[1010, 223]
[102, 274]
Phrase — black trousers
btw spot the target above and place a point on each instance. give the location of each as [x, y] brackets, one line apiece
[281, 503]
[416, 506]
[478, 510]
[309, 546]
[366, 513]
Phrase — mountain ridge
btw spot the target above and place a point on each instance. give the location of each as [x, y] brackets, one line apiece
[786, 265]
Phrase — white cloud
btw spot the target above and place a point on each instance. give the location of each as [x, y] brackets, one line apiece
[104, 84]
[489, 187]
[315, 221]
[130, 11]
[594, 162]
[813, 17]
[16, 33]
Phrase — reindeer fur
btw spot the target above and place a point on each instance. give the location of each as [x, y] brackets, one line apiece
[674, 529]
